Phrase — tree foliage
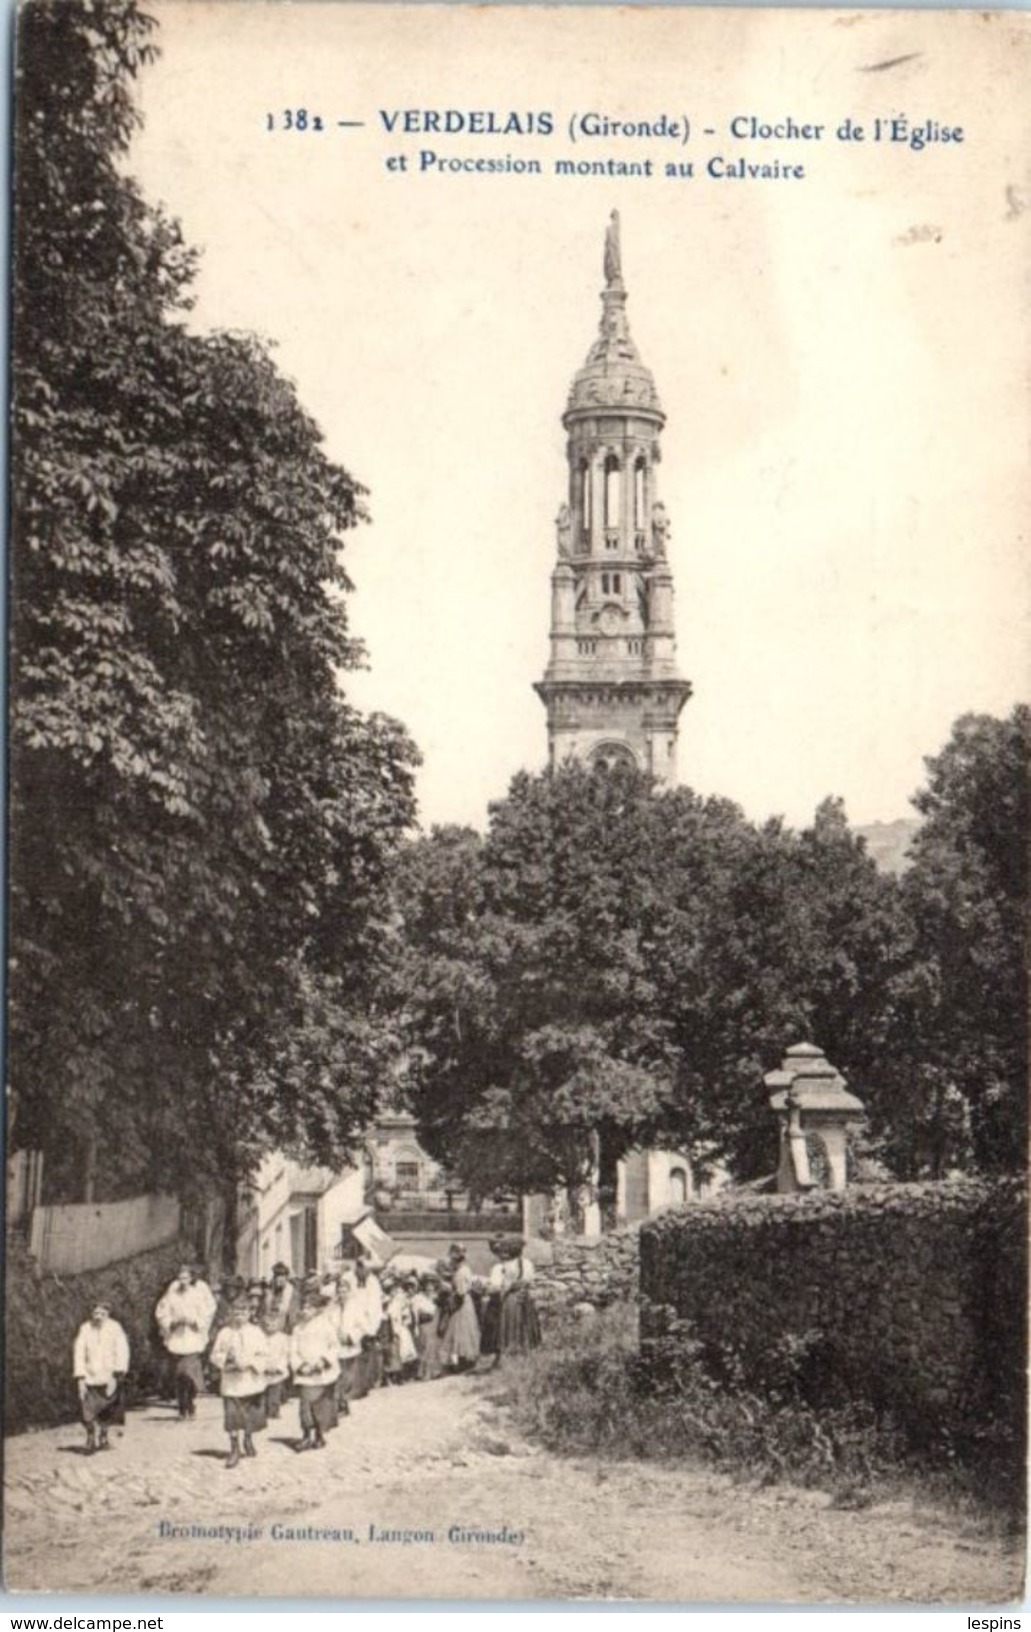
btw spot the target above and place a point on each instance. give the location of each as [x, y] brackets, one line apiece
[614, 966]
[202, 827]
[951, 1086]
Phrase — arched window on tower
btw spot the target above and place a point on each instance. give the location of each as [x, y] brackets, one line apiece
[639, 470]
[607, 755]
[612, 486]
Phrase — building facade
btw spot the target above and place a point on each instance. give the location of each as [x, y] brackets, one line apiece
[306, 1216]
[611, 688]
[295, 1214]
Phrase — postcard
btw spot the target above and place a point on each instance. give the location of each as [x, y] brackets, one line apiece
[409, 398]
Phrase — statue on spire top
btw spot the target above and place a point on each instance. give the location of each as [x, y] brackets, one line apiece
[613, 267]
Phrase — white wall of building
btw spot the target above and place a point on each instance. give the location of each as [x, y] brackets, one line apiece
[340, 1204]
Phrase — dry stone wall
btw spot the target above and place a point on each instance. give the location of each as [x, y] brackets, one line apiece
[596, 1270]
[43, 1313]
[913, 1294]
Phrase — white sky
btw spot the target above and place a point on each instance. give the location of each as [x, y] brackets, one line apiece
[842, 360]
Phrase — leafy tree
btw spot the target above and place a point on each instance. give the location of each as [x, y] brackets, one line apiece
[202, 827]
[953, 1084]
[614, 965]
[526, 1059]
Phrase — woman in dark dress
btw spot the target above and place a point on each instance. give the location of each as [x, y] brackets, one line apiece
[490, 1325]
[520, 1327]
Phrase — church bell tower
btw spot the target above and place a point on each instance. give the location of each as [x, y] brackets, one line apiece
[611, 687]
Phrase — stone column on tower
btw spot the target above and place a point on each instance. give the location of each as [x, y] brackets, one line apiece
[611, 688]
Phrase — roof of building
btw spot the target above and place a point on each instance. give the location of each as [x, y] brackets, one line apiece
[613, 375]
[808, 1079]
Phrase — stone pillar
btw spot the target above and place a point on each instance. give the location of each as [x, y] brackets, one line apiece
[660, 602]
[626, 503]
[642, 517]
[808, 1095]
[598, 504]
[579, 482]
[563, 619]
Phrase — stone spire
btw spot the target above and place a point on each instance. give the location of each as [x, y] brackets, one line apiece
[613, 373]
[612, 261]
[611, 687]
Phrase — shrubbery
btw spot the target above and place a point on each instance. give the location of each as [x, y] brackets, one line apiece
[591, 1390]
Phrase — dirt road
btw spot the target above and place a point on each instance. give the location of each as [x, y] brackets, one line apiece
[427, 1492]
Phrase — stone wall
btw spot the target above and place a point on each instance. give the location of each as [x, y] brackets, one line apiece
[913, 1295]
[598, 1270]
[43, 1313]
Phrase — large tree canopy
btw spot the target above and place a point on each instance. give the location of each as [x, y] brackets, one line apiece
[201, 826]
[613, 965]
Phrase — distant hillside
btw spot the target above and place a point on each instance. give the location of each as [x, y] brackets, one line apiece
[887, 842]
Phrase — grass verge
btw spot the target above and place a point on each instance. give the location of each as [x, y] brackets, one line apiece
[589, 1391]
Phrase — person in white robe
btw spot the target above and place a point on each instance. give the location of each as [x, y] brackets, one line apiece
[100, 1361]
[277, 1362]
[240, 1356]
[315, 1364]
[399, 1350]
[184, 1316]
[369, 1294]
[349, 1314]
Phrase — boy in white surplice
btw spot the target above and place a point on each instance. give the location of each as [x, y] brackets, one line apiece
[184, 1316]
[100, 1360]
[240, 1355]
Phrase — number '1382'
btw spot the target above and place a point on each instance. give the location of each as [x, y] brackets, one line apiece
[293, 119]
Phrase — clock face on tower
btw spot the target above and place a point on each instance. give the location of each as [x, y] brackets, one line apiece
[610, 619]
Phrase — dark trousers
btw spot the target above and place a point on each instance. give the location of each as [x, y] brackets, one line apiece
[318, 1410]
[347, 1382]
[372, 1366]
[189, 1380]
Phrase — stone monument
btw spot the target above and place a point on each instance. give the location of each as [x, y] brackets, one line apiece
[814, 1108]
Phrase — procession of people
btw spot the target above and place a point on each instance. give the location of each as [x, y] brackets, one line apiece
[325, 1340]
